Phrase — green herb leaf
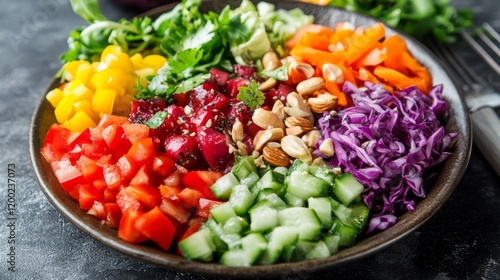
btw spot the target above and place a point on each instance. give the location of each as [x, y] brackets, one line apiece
[156, 120]
[251, 95]
[87, 9]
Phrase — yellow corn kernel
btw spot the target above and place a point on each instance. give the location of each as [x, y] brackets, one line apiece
[85, 106]
[154, 61]
[71, 68]
[64, 109]
[79, 90]
[79, 122]
[55, 96]
[84, 72]
[103, 101]
[137, 61]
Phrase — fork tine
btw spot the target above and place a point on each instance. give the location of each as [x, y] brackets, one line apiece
[480, 50]
[461, 71]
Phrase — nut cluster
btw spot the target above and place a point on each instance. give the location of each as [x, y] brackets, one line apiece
[288, 129]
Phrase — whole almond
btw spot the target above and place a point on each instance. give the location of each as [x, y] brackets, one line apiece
[304, 123]
[275, 156]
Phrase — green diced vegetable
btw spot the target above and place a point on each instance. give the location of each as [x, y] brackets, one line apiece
[309, 250]
[304, 185]
[304, 219]
[347, 188]
[323, 208]
[222, 212]
[223, 187]
[241, 199]
[198, 246]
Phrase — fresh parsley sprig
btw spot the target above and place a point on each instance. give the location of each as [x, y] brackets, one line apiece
[251, 95]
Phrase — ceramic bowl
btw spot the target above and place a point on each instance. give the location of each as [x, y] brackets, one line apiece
[449, 174]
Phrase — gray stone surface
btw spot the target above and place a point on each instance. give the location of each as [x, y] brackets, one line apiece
[460, 242]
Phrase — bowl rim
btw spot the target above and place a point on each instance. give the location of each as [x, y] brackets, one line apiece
[407, 223]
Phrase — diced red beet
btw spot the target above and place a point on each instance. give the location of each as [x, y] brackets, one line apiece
[238, 110]
[171, 124]
[220, 76]
[143, 109]
[209, 117]
[203, 94]
[244, 71]
[220, 102]
[213, 147]
[184, 149]
[233, 85]
[252, 129]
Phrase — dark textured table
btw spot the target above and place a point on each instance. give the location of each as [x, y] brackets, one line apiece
[462, 241]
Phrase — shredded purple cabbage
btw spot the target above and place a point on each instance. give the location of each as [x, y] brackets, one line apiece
[387, 142]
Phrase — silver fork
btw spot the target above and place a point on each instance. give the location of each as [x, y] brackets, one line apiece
[480, 98]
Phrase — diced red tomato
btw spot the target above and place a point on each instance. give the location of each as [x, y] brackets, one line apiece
[189, 197]
[127, 166]
[126, 228]
[125, 201]
[69, 177]
[142, 177]
[87, 194]
[108, 120]
[135, 131]
[89, 168]
[157, 227]
[174, 210]
[98, 210]
[57, 136]
[148, 195]
[204, 206]
[163, 165]
[112, 176]
[201, 180]
[170, 191]
[142, 151]
[113, 215]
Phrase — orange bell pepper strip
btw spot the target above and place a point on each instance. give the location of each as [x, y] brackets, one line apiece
[364, 43]
[309, 28]
[416, 68]
[395, 46]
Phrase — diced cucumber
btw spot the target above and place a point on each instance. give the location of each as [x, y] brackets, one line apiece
[281, 170]
[323, 208]
[347, 188]
[221, 239]
[332, 242]
[222, 188]
[347, 235]
[298, 165]
[304, 219]
[250, 180]
[304, 185]
[270, 180]
[276, 201]
[235, 225]
[356, 215]
[253, 245]
[263, 218]
[241, 199]
[322, 172]
[243, 167]
[280, 238]
[293, 200]
[310, 250]
[198, 246]
[222, 212]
